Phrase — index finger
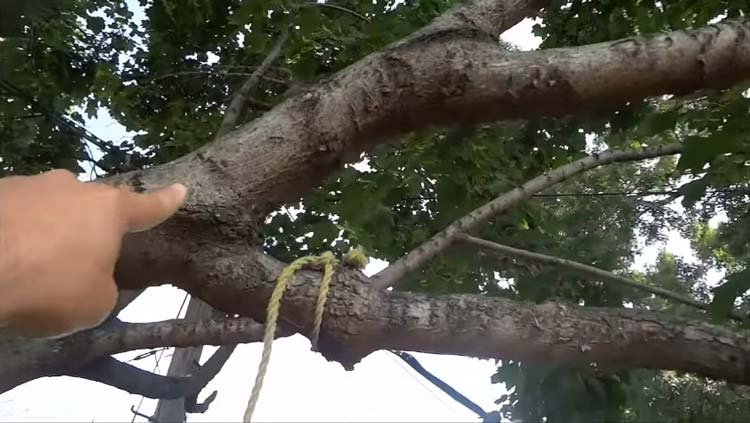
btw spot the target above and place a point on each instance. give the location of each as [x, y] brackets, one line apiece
[143, 211]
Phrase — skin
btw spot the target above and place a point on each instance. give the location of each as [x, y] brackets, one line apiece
[59, 242]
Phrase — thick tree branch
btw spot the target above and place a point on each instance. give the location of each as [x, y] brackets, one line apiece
[360, 319]
[443, 239]
[437, 81]
[554, 333]
[207, 248]
[137, 381]
[586, 271]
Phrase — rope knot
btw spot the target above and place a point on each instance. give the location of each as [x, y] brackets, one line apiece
[326, 261]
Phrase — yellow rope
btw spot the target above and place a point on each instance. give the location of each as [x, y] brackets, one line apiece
[327, 260]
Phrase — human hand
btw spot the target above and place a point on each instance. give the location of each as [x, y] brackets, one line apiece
[59, 242]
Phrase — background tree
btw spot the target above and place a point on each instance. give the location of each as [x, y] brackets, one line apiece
[447, 119]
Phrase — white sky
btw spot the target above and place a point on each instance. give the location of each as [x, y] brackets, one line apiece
[300, 384]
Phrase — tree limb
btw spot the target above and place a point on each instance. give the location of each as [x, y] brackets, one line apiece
[443, 239]
[360, 319]
[66, 355]
[207, 247]
[554, 334]
[129, 378]
[587, 271]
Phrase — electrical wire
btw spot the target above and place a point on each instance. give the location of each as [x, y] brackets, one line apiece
[136, 411]
[421, 383]
[443, 386]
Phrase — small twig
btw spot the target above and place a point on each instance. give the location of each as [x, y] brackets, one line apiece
[63, 121]
[192, 405]
[443, 239]
[139, 414]
[585, 270]
[341, 8]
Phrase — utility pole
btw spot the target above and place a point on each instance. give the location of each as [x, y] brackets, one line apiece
[184, 362]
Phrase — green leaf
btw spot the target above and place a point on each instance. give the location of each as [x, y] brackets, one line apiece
[701, 150]
[95, 24]
[725, 294]
[693, 191]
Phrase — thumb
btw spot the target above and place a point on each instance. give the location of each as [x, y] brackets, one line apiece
[143, 211]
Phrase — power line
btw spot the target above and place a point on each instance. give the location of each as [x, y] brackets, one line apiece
[443, 386]
[136, 411]
[63, 121]
[421, 383]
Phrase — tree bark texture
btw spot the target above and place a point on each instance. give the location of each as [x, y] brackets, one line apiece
[450, 72]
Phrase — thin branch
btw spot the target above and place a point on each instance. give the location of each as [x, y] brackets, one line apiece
[220, 73]
[239, 100]
[141, 382]
[139, 414]
[61, 120]
[608, 194]
[171, 333]
[585, 270]
[115, 337]
[340, 8]
[258, 105]
[443, 239]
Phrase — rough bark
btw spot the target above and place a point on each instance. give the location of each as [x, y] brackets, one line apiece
[25, 360]
[444, 74]
[361, 319]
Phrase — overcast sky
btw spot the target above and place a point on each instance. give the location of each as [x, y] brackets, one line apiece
[300, 384]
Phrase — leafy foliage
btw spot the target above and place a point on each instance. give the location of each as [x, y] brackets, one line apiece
[166, 70]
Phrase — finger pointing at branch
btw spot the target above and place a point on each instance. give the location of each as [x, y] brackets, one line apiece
[143, 211]
[59, 243]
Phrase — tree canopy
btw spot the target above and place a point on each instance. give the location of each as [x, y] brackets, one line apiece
[447, 119]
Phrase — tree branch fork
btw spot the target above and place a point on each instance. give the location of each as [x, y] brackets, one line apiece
[236, 180]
